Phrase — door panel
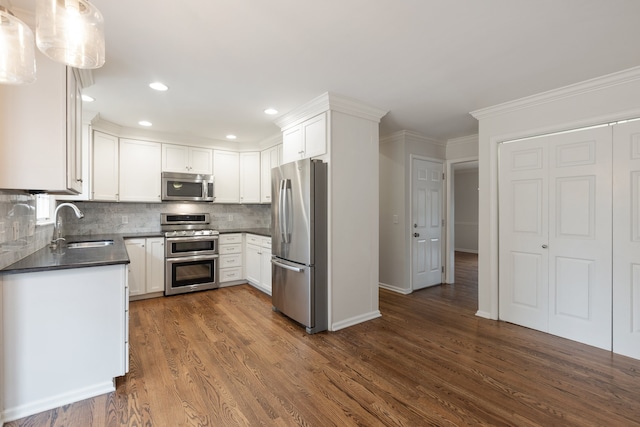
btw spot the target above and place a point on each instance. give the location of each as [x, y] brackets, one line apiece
[523, 275]
[626, 235]
[427, 223]
[580, 236]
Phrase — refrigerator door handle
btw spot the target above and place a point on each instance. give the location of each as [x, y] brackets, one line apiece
[287, 267]
[285, 206]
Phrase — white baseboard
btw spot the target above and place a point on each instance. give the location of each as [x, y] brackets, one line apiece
[470, 251]
[395, 289]
[32, 408]
[483, 314]
[355, 320]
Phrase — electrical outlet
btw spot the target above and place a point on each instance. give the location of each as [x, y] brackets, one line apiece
[125, 219]
[16, 230]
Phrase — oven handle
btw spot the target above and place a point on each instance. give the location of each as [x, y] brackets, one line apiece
[192, 258]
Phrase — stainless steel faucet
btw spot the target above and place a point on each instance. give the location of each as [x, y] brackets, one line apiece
[57, 235]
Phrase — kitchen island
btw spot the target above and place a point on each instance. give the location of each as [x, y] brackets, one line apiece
[65, 326]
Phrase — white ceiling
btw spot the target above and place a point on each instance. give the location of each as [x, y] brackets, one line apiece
[428, 62]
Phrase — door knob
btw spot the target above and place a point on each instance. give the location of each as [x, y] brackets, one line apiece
[416, 234]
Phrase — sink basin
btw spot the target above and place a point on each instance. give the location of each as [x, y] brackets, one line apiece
[90, 244]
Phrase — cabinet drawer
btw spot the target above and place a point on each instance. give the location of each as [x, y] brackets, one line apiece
[229, 274]
[234, 260]
[253, 239]
[230, 249]
[230, 238]
[265, 242]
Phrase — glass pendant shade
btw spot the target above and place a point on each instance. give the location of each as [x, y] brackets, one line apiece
[17, 56]
[71, 32]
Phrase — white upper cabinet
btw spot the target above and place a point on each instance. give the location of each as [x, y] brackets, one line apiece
[40, 132]
[250, 177]
[269, 158]
[226, 171]
[104, 167]
[140, 170]
[180, 158]
[308, 139]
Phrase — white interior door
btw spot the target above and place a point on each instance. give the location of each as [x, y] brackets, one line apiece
[555, 235]
[426, 217]
[524, 259]
[626, 237]
[580, 236]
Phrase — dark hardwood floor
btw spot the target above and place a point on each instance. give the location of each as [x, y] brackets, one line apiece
[223, 358]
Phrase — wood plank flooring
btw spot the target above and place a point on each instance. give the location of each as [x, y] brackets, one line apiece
[223, 358]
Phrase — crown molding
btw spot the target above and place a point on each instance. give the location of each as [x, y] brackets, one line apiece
[329, 102]
[463, 140]
[591, 85]
[407, 135]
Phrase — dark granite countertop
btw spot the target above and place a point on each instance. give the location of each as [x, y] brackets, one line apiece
[63, 258]
[48, 259]
[259, 231]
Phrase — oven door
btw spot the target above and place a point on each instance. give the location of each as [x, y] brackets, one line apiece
[193, 273]
[192, 245]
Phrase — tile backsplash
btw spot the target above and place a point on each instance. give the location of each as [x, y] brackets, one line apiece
[19, 235]
[18, 212]
[104, 218]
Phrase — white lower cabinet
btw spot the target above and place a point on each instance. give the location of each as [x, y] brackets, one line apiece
[146, 270]
[230, 268]
[67, 331]
[258, 262]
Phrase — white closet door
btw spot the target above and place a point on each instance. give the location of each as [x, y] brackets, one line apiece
[580, 227]
[555, 235]
[523, 219]
[626, 236]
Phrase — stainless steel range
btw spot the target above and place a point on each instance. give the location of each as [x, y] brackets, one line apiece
[191, 253]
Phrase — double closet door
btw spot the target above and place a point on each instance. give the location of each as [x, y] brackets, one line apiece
[569, 216]
[555, 235]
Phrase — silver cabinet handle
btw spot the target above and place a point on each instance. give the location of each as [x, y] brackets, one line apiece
[544, 246]
[287, 267]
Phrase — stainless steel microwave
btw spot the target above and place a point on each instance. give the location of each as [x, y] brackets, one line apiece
[187, 187]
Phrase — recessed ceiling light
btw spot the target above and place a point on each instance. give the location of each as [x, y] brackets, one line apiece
[271, 111]
[231, 136]
[87, 98]
[158, 86]
[145, 123]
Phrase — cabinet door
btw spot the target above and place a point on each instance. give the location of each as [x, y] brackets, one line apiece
[74, 133]
[155, 265]
[104, 182]
[265, 277]
[269, 159]
[314, 136]
[201, 160]
[253, 264]
[140, 169]
[250, 177]
[137, 267]
[226, 168]
[292, 144]
[175, 158]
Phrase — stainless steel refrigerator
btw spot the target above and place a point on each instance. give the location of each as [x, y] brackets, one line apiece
[299, 242]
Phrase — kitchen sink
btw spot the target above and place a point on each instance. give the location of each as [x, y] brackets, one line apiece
[89, 244]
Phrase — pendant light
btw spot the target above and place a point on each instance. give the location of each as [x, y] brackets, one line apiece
[71, 32]
[17, 58]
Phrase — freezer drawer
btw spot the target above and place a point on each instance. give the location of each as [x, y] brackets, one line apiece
[292, 292]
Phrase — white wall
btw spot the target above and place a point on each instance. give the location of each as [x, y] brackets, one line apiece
[465, 204]
[395, 197]
[609, 98]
